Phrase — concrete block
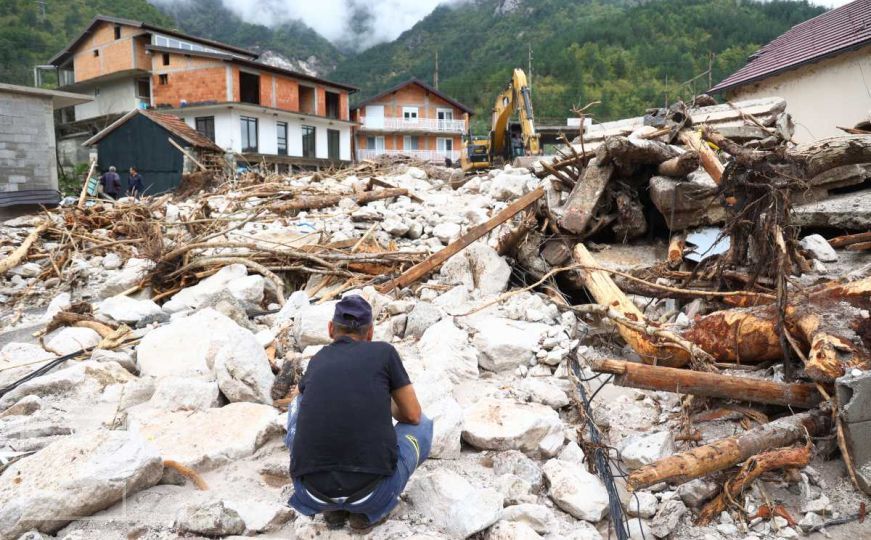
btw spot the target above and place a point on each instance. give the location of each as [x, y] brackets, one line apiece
[854, 396]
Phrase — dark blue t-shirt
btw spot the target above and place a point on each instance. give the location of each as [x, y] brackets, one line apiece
[344, 434]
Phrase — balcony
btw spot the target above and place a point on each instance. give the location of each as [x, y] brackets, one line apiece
[425, 125]
[437, 156]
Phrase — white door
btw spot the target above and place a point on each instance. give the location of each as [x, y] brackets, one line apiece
[379, 144]
[444, 146]
[375, 116]
[445, 116]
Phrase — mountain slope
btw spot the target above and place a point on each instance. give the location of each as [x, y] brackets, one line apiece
[628, 55]
[31, 32]
[302, 48]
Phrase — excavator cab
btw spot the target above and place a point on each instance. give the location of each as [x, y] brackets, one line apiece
[476, 154]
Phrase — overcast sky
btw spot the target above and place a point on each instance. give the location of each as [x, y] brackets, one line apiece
[355, 23]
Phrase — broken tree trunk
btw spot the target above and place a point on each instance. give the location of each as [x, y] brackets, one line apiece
[15, 258]
[313, 202]
[83, 196]
[423, 268]
[710, 161]
[794, 457]
[850, 239]
[680, 166]
[730, 451]
[585, 196]
[627, 152]
[700, 383]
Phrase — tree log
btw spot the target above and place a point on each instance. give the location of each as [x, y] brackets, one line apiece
[679, 166]
[627, 152]
[15, 258]
[700, 383]
[730, 451]
[675, 250]
[794, 457]
[849, 239]
[710, 161]
[585, 196]
[313, 202]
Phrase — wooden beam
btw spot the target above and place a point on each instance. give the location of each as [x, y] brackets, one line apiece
[84, 194]
[710, 161]
[702, 383]
[311, 202]
[435, 260]
[185, 152]
[14, 258]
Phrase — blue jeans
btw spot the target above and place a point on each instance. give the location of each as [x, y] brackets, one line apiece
[414, 442]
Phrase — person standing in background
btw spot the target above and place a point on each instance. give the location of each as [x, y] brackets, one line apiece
[135, 185]
[110, 183]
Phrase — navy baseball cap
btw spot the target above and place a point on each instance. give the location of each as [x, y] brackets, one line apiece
[353, 311]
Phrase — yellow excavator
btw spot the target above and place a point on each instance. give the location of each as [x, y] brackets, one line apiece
[507, 140]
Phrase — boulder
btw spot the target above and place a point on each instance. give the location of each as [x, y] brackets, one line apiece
[514, 490]
[59, 303]
[576, 491]
[818, 248]
[641, 504]
[248, 289]
[517, 463]
[86, 379]
[130, 275]
[447, 417]
[211, 518]
[260, 516]
[640, 450]
[506, 186]
[124, 309]
[697, 492]
[477, 267]
[185, 394]
[542, 391]
[572, 453]
[73, 477]
[422, 316]
[23, 407]
[243, 371]
[538, 516]
[310, 324]
[454, 504]
[505, 344]
[71, 339]
[122, 358]
[445, 348]
[511, 530]
[447, 232]
[193, 297]
[20, 354]
[209, 438]
[501, 424]
[668, 517]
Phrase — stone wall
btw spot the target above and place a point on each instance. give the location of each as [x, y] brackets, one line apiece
[27, 143]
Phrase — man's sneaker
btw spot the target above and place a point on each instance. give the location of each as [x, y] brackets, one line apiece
[335, 518]
[360, 524]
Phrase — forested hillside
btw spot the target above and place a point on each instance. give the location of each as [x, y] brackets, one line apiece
[32, 32]
[628, 55]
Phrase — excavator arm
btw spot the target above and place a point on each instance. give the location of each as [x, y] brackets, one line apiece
[516, 97]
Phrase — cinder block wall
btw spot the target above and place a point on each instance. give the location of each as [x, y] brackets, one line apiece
[27, 144]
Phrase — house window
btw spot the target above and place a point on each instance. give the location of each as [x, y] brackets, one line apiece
[96, 92]
[166, 59]
[249, 88]
[307, 100]
[281, 136]
[444, 145]
[96, 53]
[332, 105]
[117, 31]
[308, 141]
[333, 144]
[249, 134]
[445, 118]
[164, 78]
[411, 142]
[206, 126]
[409, 114]
[375, 143]
[143, 89]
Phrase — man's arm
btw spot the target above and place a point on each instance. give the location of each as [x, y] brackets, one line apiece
[404, 405]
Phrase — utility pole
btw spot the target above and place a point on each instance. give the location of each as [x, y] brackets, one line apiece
[42, 8]
[435, 76]
[710, 69]
[529, 68]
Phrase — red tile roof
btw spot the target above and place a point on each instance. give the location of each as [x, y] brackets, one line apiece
[845, 28]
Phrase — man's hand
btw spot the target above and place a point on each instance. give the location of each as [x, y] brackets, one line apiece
[404, 406]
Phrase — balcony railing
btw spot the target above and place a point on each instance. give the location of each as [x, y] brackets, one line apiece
[421, 124]
[437, 156]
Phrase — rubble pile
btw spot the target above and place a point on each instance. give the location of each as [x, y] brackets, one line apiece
[148, 350]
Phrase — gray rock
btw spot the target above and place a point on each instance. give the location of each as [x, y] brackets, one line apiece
[642, 504]
[131, 274]
[123, 358]
[421, 317]
[74, 477]
[26, 270]
[248, 289]
[576, 491]
[193, 297]
[697, 492]
[640, 450]
[500, 424]
[243, 371]
[506, 344]
[477, 267]
[514, 490]
[668, 517]
[542, 391]
[447, 232]
[310, 324]
[209, 519]
[818, 248]
[572, 453]
[23, 407]
[447, 417]
[517, 463]
[453, 503]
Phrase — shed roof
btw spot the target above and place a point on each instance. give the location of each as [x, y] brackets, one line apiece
[423, 85]
[169, 122]
[839, 30]
[59, 99]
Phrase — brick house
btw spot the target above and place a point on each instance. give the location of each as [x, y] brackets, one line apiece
[412, 119]
[256, 110]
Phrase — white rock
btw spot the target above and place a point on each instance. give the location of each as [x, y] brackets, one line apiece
[538, 516]
[87, 379]
[581, 530]
[296, 301]
[18, 354]
[572, 453]
[260, 516]
[23, 407]
[71, 339]
[447, 417]
[248, 289]
[395, 226]
[26, 270]
[542, 391]
[74, 477]
[185, 394]
[131, 274]
[310, 324]
[422, 316]
[818, 248]
[697, 492]
[212, 518]
[642, 504]
[124, 359]
[499, 424]
[447, 232]
[511, 530]
[194, 296]
[576, 491]
[507, 186]
[243, 370]
[207, 439]
[516, 463]
[477, 267]
[59, 303]
[640, 450]
[416, 172]
[668, 517]
[453, 503]
[505, 344]
[112, 261]
[124, 309]
[444, 348]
